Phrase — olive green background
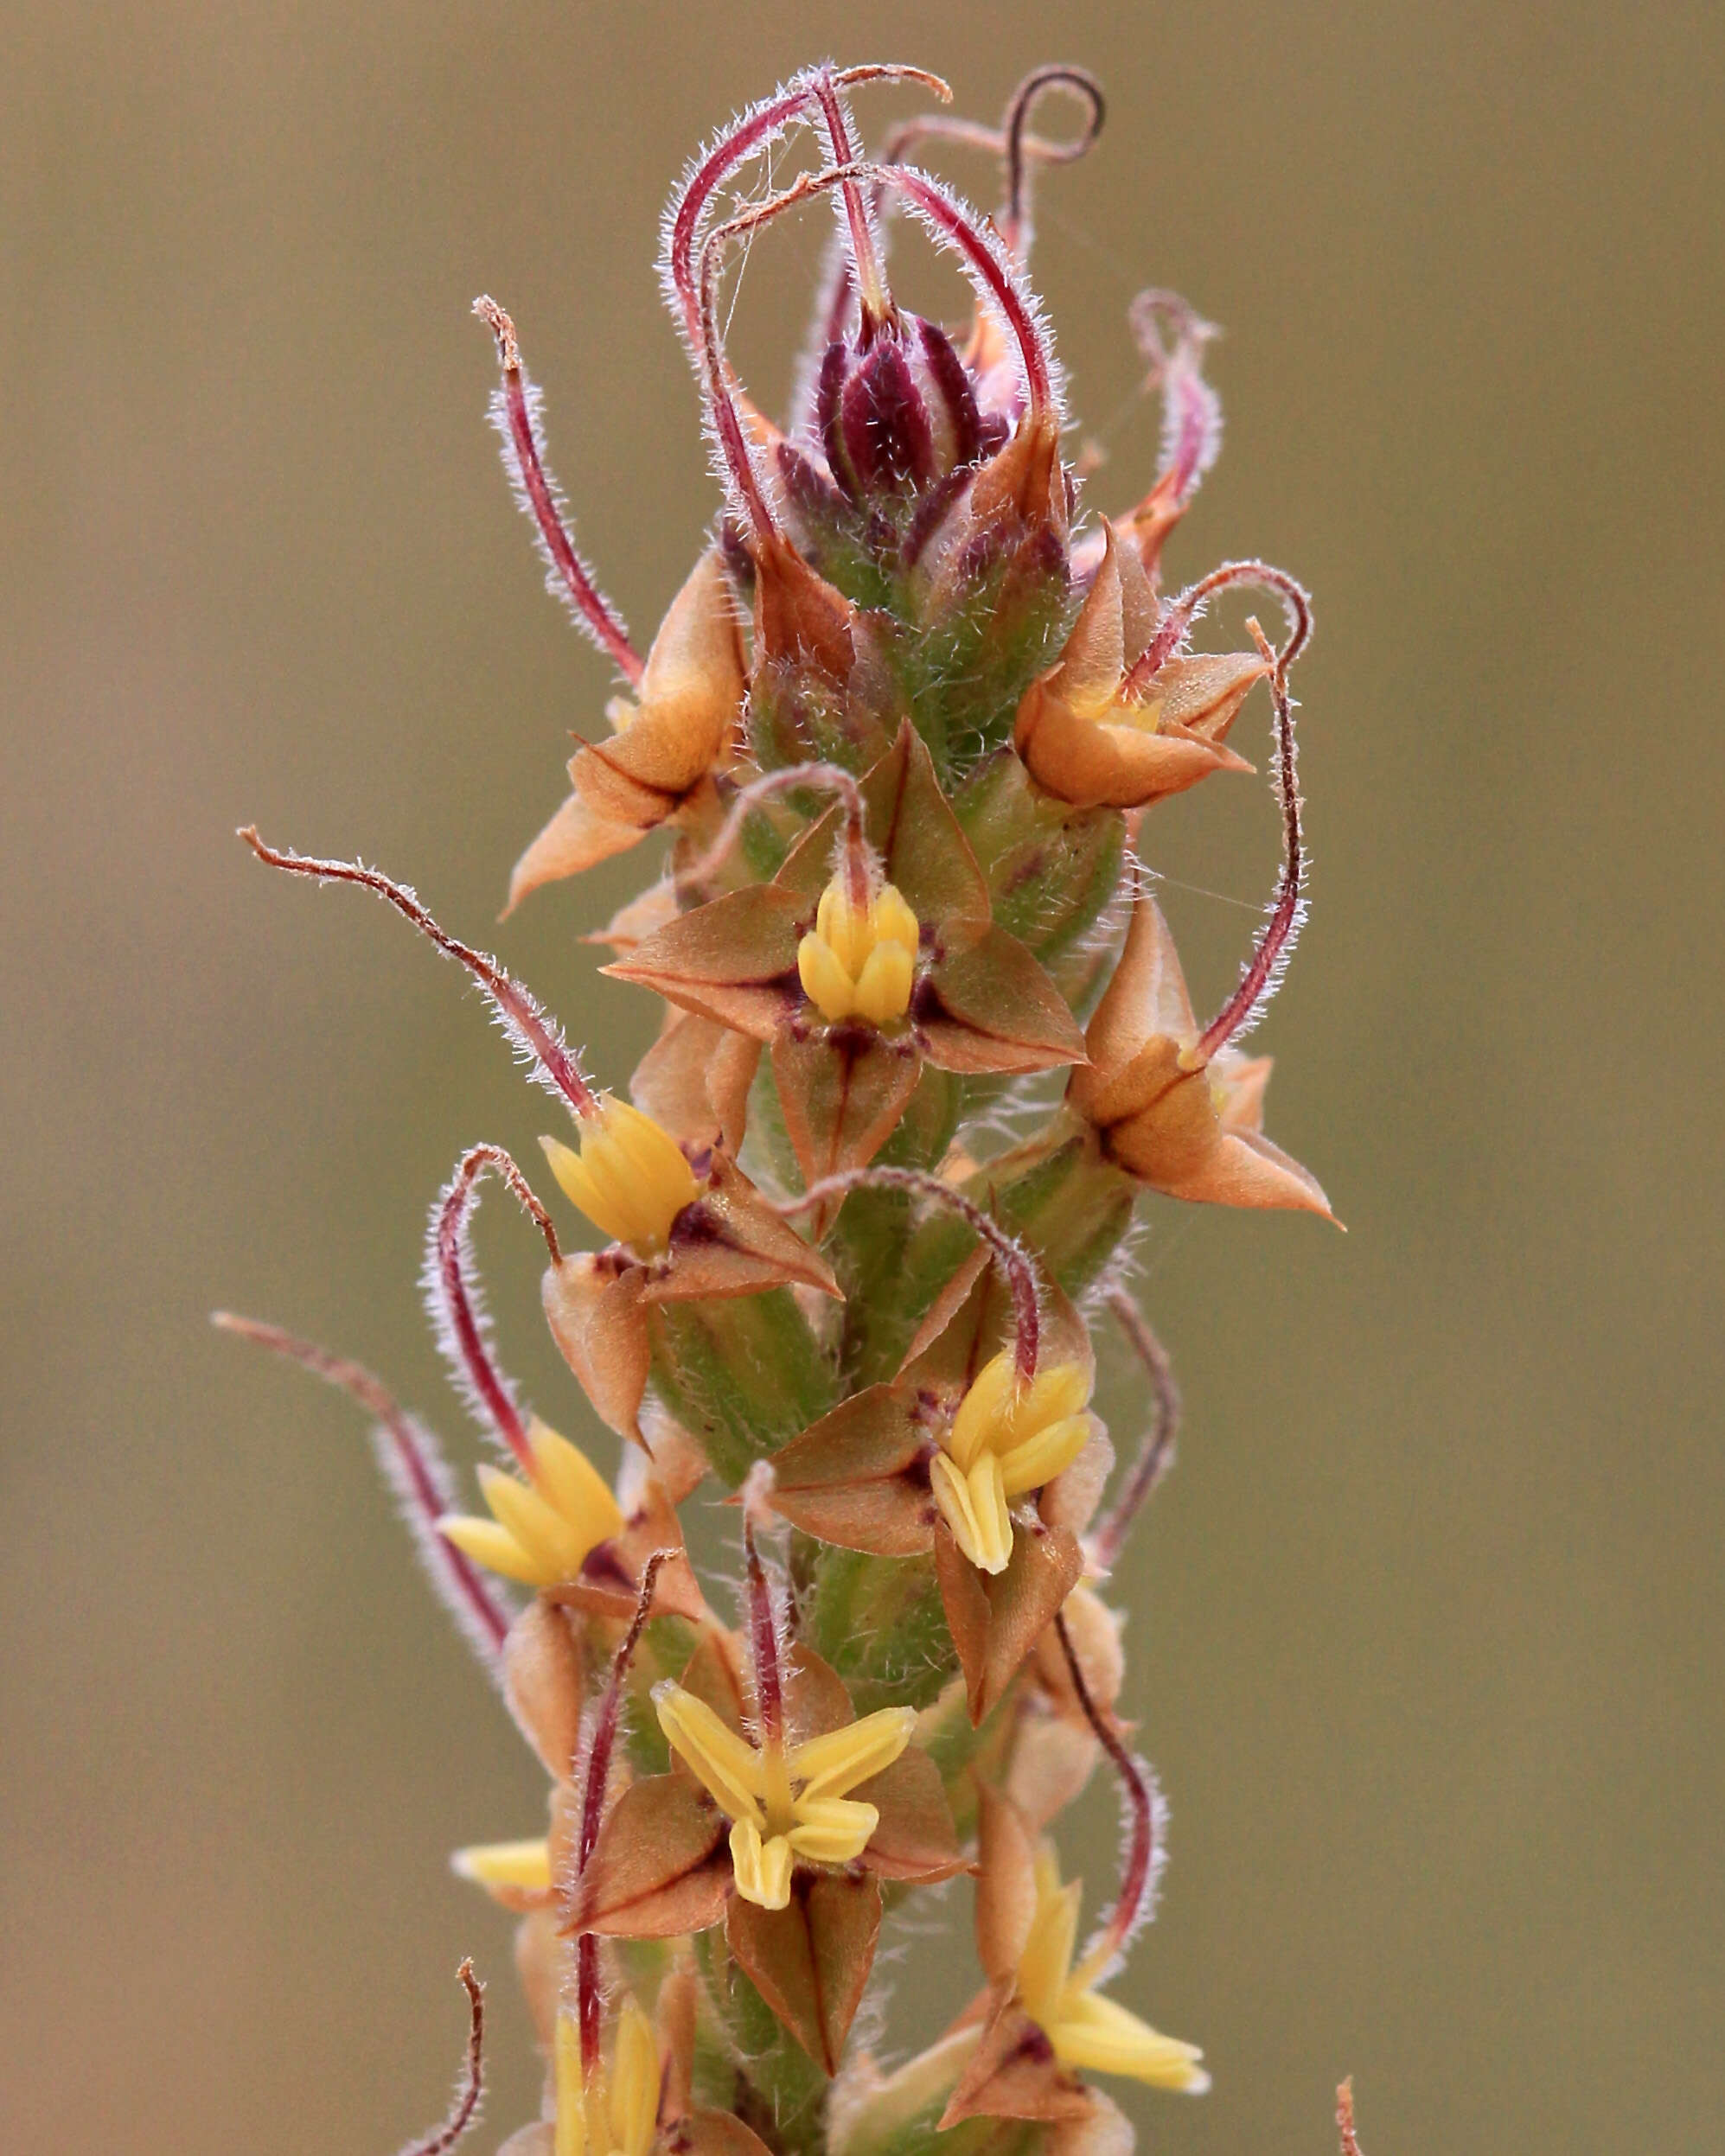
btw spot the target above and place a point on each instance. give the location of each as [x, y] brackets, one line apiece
[1426, 1627]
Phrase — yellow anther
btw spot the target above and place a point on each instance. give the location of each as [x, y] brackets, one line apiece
[511, 1867]
[629, 1177]
[1006, 1439]
[860, 961]
[1088, 2031]
[540, 1533]
[784, 1803]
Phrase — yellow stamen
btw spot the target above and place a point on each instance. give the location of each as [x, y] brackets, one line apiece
[540, 1533]
[860, 961]
[1006, 1439]
[784, 1804]
[629, 1177]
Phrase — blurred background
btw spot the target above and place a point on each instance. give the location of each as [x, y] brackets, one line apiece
[1426, 1626]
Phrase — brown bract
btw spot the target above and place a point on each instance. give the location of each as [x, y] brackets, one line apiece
[1189, 1126]
[727, 1241]
[859, 1478]
[980, 1002]
[679, 727]
[1087, 739]
[661, 1868]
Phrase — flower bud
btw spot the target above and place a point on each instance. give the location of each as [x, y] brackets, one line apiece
[629, 1177]
[859, 961]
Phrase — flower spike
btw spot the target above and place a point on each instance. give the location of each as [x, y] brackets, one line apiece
[415, 1469]
[515, 414]
[899, 727]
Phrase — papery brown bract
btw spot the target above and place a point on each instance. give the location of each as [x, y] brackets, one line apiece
[1183, 1123]
[1090, 736]
[678, 728]
[728, 1242]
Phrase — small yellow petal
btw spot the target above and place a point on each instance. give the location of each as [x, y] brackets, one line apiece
[570, 1482]
[546, 1538]
[983, 1407]
[835, 920]
[576, 1181]
[633, 2084]
[829, 1765]
[1038, 1459]
[832, 1829]
[762, 1868]
[1046, 1962]
[1100, 2036]
[974, 1507]
[824, 982]
[885, 983]
[727, 1766]
[893, 920]
[629, 1178]
[1056, 1391]
[492, 1546]
[523, 1865]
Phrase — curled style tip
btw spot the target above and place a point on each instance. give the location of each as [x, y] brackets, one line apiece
[1012, 142]
[516, 413]
[533, 1032]
[465, 2108]
[1078, 82]
[414, 1465]
[457, 1307]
